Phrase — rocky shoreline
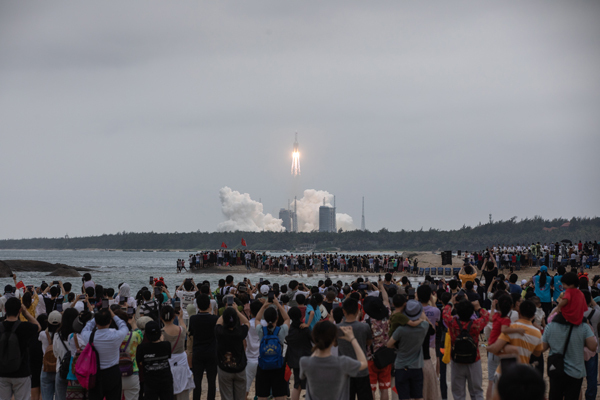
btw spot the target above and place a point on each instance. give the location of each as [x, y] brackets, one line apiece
[9, 267]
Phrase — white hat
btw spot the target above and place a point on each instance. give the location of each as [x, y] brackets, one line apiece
[524, 281]
[264, 289]
[54, 318]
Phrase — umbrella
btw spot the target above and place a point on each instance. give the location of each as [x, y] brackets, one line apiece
[566, 241]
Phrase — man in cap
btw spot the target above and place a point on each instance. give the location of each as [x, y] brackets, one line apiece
[409, 357]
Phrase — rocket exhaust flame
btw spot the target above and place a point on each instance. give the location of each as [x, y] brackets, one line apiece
[296, 159]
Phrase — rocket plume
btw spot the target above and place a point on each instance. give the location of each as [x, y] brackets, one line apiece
[296, 158]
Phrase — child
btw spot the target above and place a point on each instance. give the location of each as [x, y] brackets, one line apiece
[398, 318]
[572, 303]
[539, 321]
[500, 311]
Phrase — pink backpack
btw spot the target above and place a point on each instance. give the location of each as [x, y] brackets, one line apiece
[87, 365]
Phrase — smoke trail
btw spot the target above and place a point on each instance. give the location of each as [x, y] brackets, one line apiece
[245, 214]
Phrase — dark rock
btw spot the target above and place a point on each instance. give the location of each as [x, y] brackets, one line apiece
[34, 266]
[5, 271]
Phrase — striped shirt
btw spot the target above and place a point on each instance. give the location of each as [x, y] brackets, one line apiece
[526, 344]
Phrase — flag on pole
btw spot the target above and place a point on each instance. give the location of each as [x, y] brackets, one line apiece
[243, 242]
[223, 245]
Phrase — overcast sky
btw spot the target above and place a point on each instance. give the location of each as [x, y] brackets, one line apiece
[132, 115]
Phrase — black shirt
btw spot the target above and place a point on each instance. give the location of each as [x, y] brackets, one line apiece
[154, 359]
[299, 345]
[202, 329]
[230, 348]
[489, 277]
[25, 332]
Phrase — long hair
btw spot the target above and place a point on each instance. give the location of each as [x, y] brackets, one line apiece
[270, 316]
[66, 323]
[543, 278]
[230, 318]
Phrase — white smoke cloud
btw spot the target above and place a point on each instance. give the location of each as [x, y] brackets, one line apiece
[245, 214]
[308, 211]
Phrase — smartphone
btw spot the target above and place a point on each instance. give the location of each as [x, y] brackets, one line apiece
[151, 281]
[104, 303]
[129, 310]
[380, 277]
[229, 301]
[261, 280]
[157, 291]
[245, 280]
[366, 279]
[177, 306]
[506, 363]
[434, 287]
[122, 301]
[83, 280]
[59, 307]
[335, 305]
[411, 293]
[55, 282]
[271, 296]
[82, 297]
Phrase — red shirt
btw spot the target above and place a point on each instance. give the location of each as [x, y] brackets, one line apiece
[497, 321]
[455, 326]
[573, 311]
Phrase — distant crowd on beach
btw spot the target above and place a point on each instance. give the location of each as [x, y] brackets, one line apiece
[516, 256]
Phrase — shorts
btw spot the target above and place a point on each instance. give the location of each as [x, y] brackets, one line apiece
[493, 362]
[271, 382]
[298, 383]
[409, 383]
[383, 376]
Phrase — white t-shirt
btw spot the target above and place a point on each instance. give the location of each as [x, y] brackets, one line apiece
[187, 298]
[253, 342]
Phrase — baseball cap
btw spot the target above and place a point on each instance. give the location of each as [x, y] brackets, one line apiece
[413, 310]
[152, 331]
[142, 322]
[264, 289]
[8, 289]
[54, 318]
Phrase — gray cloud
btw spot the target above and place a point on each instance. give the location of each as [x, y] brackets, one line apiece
[132, 117]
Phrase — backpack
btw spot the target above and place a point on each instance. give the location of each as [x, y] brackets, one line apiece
[270, 351]
[77, 354]
[10, 351]
[88, 365]
[49, 357]
[65, 363]
[151, 312]
[125, 362]
[464, 349]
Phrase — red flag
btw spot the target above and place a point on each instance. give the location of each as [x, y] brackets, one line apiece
[223, 245]
[20, 285]
[243, 242]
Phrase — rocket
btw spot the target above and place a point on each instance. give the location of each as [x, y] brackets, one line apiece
[296, 158]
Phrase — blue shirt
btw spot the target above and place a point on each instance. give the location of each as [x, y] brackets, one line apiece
[316, 318]
[558, 287]
[543, 293]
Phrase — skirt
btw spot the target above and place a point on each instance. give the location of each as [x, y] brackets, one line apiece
[431, 385]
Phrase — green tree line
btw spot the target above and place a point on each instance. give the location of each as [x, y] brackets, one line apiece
[525, 231]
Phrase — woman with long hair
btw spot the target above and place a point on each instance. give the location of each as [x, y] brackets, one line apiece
[272, 380]
[48, 375]
[231, 331]
[327, 376]
[60, 344]
[542, 289]
[183, 378]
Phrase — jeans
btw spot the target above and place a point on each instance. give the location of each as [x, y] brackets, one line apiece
[591, 368]
[470, 375]
[198, 368]
[61, 388]
[47, 385]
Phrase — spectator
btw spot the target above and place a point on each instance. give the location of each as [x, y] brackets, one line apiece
[107, 342]
[360, 385]
[16, 382]
[183, 378]
[130, 380]
[299, 345]
[409, 357]
[204, 354]
[61, 348]
[48, 377]
[153, 357]
[252, 345]
[465, 370]
[591, 365]
[327, 375]
[231, 331]
[520, 382]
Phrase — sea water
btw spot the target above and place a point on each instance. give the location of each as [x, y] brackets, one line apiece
[109, 268]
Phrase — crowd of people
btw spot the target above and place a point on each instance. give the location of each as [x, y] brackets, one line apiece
[359, 339]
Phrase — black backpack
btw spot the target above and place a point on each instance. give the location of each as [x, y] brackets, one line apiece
[65, 362]
[10, 351]
[464, 349]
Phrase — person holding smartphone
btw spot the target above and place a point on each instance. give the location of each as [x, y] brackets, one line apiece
[231, 331]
